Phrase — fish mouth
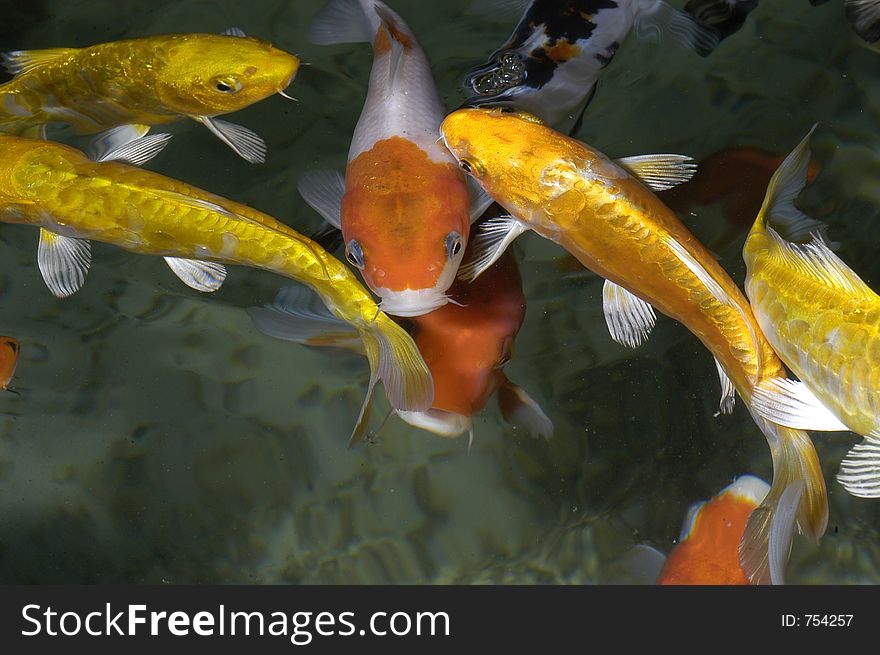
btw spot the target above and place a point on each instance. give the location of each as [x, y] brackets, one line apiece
[438, 421]
[411, 302]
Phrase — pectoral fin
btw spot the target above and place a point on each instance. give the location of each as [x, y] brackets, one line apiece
[323, 191]
[864, 15]
[860, 469]
[233, 31]
[196, 274]
[244, 142]
[660, 172]
[629, 318]
[662, 20]
[792, 404]
[489, 240]
[728, 393]
[298, 315]
[480, 200]
[63, 262]
[521, 410]
[136, 152]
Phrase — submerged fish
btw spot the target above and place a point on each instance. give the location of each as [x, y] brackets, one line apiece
[404, 207]
[144, 82]
[599, 212]
[824, 322]
[551, 62]
[465, 344]
[9, 350]
[74, 200]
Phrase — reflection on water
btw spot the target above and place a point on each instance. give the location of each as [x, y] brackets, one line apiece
[158, 436]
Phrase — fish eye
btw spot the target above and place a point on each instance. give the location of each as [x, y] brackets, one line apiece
[466, 166]
[453, 244]
[354, 254]
[227, 85]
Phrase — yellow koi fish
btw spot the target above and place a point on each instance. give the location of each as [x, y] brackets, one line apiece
[143, 82]
[602, 214]
[824, 322]
[404, 207]
[74, 199]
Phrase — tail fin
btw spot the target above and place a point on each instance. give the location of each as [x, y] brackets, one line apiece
[396, 361]
[344, 21]
[766, 543]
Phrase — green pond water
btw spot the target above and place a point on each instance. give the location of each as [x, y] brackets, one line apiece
[159, 437]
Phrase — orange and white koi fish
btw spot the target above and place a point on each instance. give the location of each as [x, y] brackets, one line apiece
[9, 351]
[465, 344]
[143, 82]
[404, 207]
[707, 552]
[603, 215]
[74, 200]
[824, 322]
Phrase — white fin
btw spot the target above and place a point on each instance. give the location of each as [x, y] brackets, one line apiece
[35, 132]
[323, 191]
[662, 19]
[690, 519]
[115, 137]
[629, 318]
[438, 421]
[782, 530]
[639, 565]
[63, 262]
[728, 393]
[865, 18]
[197, 274]
[24, 61]
[660, 172]
[137, 152]
[860, 469]
[340, 21]
[488, 242]
[521, 410]
[299, 315]
[792, 404]
[233, 31]
[244, 142]
[480, 200]
[788, 181]
[817, 261]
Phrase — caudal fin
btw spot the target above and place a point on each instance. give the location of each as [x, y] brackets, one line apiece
[396, 362]
[796, 495]
[343, 21]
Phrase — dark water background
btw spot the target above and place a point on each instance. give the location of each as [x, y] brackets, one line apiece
[160, 437]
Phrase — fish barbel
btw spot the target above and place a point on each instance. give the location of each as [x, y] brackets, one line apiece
[603, 215]
[74, 199]
[144, 82]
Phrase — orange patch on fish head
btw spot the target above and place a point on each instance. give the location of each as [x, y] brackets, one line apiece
[405, 223]
[709, 554]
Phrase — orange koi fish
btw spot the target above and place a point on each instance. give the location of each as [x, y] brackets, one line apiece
[143, 82]
[601, 213]
[403, 207]
[9, 350]
[465, 344]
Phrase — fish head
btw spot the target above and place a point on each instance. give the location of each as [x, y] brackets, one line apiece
[406, 229]
[507, 152]
[213, 74]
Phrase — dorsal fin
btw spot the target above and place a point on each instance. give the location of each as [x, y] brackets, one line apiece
[24, 61]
